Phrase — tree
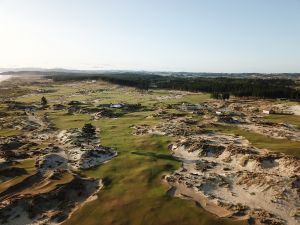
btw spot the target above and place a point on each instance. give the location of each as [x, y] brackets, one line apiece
[225, 95]
[215, 95]
[88, 131]
[44, 101]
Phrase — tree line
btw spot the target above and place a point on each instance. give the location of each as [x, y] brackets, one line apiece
[219, 87]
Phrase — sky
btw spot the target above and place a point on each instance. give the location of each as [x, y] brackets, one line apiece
[157, 35]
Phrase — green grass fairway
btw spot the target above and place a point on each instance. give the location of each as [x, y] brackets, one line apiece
[9, 132]
[262, 141]
[134, 193]
[64, 121]
[290, 119]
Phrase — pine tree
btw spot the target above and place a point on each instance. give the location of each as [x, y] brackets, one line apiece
[44, 101]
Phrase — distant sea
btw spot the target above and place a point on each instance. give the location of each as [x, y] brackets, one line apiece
[4, 77]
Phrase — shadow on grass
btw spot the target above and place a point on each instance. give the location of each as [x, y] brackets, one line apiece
[157, 156]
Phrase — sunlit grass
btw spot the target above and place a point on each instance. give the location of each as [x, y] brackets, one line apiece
[9, 132]
[28, 165]
[134, 193]
[290, 119]
[62, 120]
[261, 141]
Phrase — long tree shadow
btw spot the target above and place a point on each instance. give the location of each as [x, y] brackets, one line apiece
[157, 156]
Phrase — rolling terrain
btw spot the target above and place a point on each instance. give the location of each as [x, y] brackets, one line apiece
[121, 174]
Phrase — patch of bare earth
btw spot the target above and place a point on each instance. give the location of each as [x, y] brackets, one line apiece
[230, 178]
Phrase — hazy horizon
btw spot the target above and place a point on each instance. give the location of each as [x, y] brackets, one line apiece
[219, 36]
[37, 69]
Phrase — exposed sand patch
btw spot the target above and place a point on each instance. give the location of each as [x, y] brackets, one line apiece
[229, 177]
[243, 180]
[81, 153]
[295, 109]
[55, 191]
[52, 207]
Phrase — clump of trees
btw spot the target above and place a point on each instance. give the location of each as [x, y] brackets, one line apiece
[217, 95]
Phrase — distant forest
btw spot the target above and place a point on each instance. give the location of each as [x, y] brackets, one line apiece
[241, 87]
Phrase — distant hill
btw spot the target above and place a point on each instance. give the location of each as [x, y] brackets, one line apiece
[61, 71]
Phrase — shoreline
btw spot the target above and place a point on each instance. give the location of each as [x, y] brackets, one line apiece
[5, 77]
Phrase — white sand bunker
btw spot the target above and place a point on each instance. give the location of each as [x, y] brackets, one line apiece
[29, 206]
[230, 178]
[38, 200]
[82, 152]
[74, 152]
